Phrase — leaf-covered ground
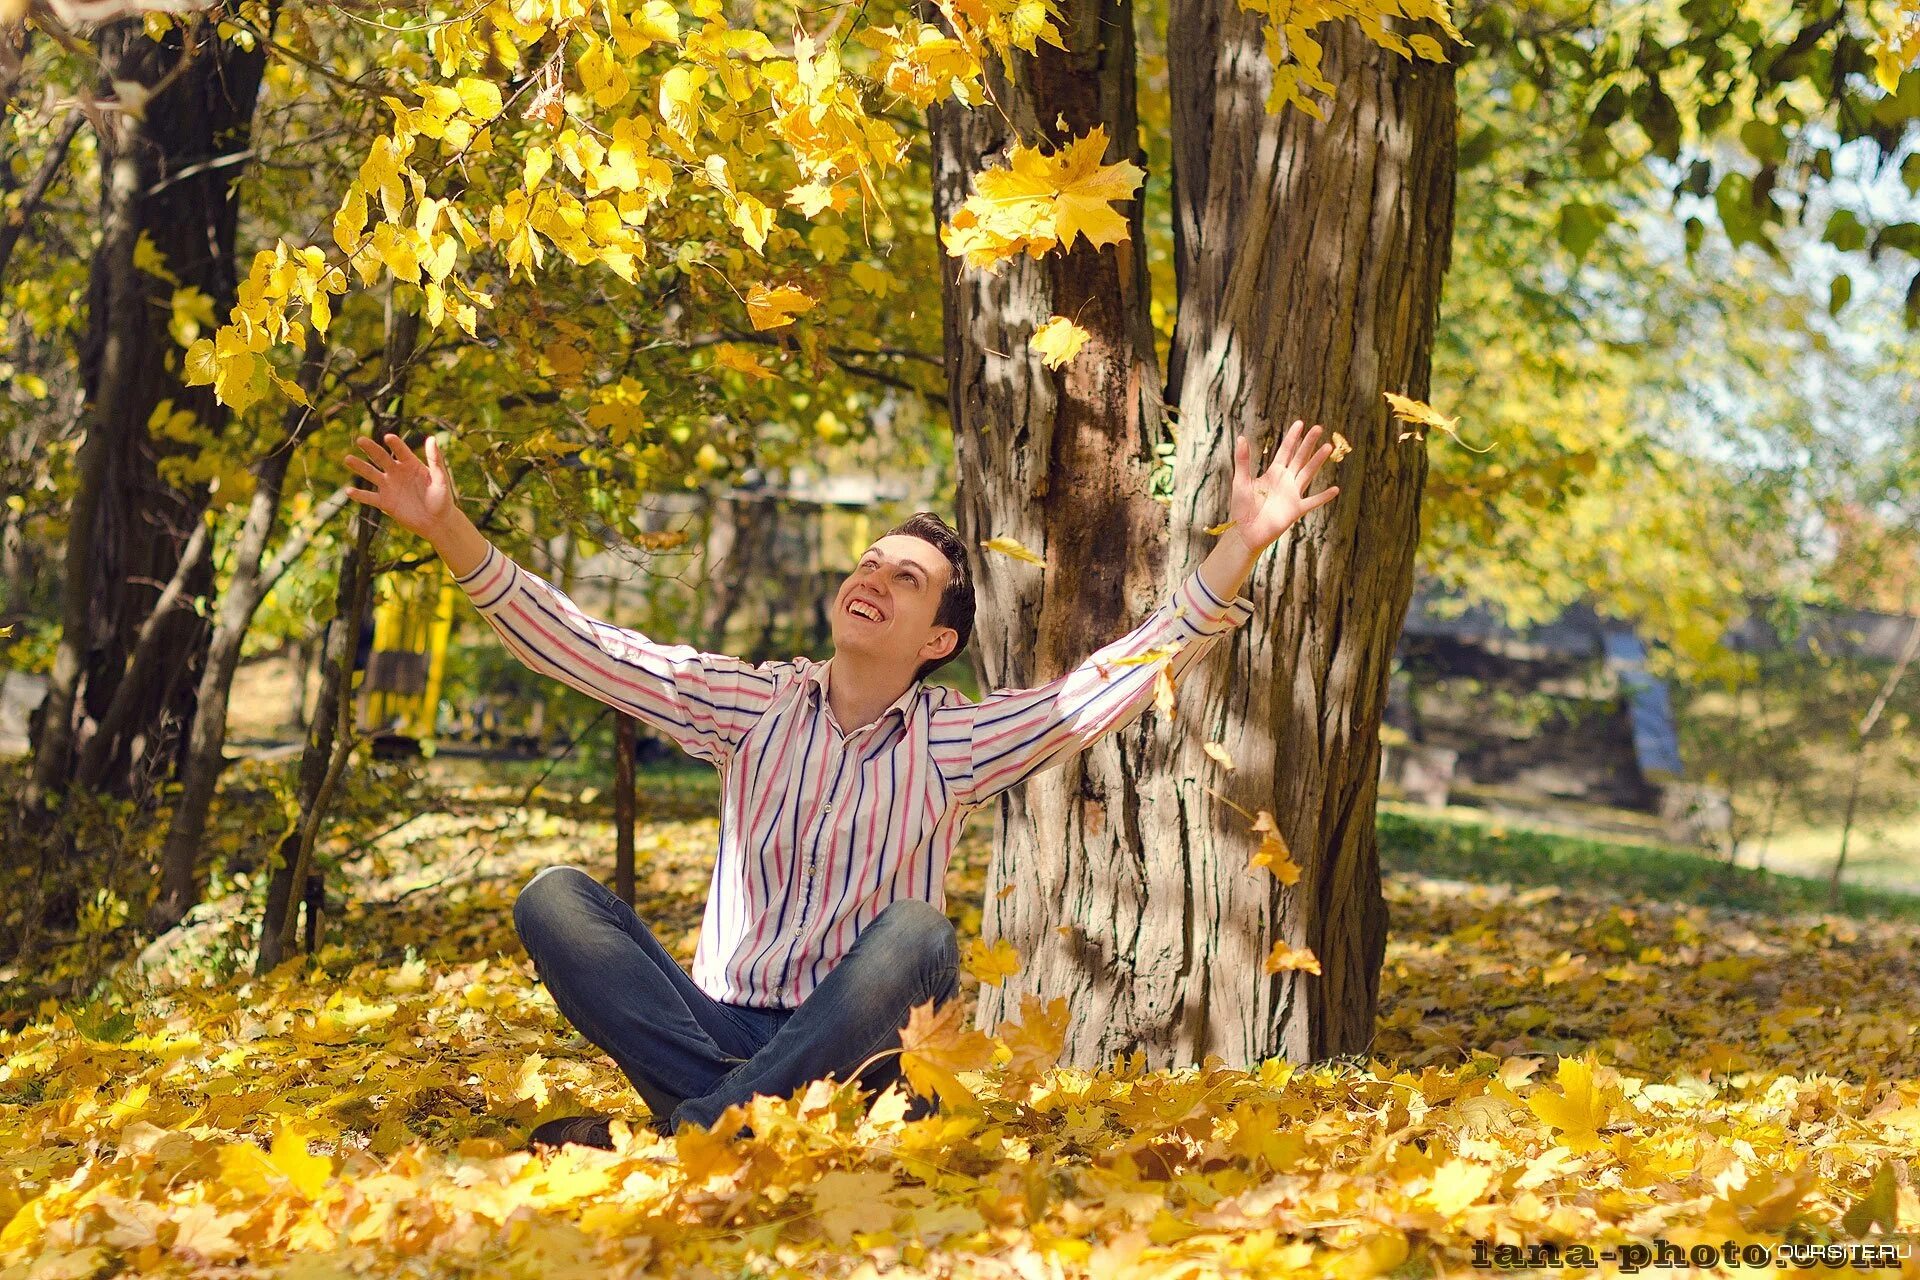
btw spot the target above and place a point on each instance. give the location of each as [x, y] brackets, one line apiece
[1550, 1067]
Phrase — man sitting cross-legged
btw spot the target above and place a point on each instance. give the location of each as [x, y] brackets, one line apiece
[844, 787]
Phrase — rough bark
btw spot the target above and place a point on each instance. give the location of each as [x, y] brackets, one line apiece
[1062, 462]
[1310, 261]
[162, 182]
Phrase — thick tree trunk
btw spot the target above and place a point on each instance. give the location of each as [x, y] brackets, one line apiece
[1062, 461]
[165, 182]
[1310, 257]
[1310, 263]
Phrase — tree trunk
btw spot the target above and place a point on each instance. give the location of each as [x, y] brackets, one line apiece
[164, 183]
[1310, 259]
[251, 578]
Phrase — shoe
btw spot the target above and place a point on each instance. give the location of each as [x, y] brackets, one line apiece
[585, 1131]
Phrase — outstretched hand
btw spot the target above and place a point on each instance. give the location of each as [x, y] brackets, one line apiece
[1263, 508]
[418, 495]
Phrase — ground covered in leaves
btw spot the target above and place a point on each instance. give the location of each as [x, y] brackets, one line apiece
[1550, 1068]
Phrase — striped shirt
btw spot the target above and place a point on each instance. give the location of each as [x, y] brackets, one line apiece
[820, 828]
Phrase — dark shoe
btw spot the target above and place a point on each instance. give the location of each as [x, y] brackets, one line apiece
[585, 1131]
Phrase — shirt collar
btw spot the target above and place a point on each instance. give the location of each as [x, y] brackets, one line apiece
[817, 682]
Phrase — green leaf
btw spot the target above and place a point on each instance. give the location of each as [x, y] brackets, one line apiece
[1765, 142]
[1844, 231]
[1910, 173]
[1734, 200]
[1838, 293]
[1879, 1206]
[1580, 225]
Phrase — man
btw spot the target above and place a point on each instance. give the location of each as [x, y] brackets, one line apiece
[844, 787]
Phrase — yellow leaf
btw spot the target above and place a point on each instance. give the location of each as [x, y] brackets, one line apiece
[1038, 201]
[991, 964]
[1284, 956]
[1423, 415]
[1219, 755]
[1222, 527]
[1577, 1111]
[148, 258]
[754, 219]
[1457, 1184]
[481, 98]
[1163, 691]
[1012, 547]
[772, 308]
[740, 360]
[1341, 448]
[1036, 1041]
[1273, 853]
[935, 1044]
[1058, 341]
[308, 1173]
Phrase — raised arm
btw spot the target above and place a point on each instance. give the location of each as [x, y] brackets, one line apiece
[705, 702]
[1013, 734]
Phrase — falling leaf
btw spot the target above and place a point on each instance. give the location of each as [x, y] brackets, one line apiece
[1058, 341]
[740, 360]
[1163, 691]
[1423, 416]
[991, 964]
[1341, 448]
[1284, 956]
[1273, 853]
[1012, 547]
[1219, 755]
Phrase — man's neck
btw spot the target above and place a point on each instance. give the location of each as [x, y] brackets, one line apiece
[859, 695]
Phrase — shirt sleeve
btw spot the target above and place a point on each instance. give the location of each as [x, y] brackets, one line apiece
[705, 702]
[1015, 733]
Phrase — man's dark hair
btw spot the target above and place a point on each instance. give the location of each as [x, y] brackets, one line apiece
[956, 602]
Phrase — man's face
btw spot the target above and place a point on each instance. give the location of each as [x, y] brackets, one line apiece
[886, 606]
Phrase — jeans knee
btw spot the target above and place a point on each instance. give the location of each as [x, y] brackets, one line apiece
[925, 930]
[548, 895]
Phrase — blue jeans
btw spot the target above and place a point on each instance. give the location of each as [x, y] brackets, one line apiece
[691, 1056]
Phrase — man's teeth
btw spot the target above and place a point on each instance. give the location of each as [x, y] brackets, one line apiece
[864, 610]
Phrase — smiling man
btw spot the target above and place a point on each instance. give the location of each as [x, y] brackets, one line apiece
[845, 785]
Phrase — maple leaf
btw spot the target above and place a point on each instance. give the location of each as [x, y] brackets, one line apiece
[1457, 1184]
[935, 1044]
[1219, 755]
[772, 308]
[1577, 1111]
[991, 964]
[1013, 547]
[740, 360]
[1035, 1042]
[1058, 341]
[1041, 200]
[1423, 415]
[1286, 956]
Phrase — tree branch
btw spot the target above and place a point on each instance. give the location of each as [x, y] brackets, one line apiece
[15, 223]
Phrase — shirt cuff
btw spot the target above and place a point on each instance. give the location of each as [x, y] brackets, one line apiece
[491, 581]
[1206, 612]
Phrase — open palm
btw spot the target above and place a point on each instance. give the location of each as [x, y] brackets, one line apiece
[418, 495]
[1264, 507]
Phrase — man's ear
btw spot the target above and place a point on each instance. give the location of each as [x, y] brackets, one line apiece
[952, 638]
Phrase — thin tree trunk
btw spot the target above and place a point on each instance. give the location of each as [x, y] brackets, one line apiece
[249, 581]
[623, 748]
[1310, 257]
[330, 736]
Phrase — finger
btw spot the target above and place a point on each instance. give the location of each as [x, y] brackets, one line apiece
[372, 448]
[1303, 448]
[1312, 469]
[1283, 456]
[1320, 499]
[1239, 457]
[364, 469]
[366, 497]
[434, 460]
[401, 451]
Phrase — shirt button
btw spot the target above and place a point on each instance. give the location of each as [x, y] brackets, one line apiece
[829, 808]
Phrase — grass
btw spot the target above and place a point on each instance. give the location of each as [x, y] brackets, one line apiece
[1464, 848]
